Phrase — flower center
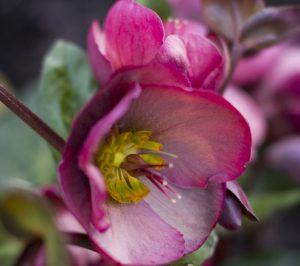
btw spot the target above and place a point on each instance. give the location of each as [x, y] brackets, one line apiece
[124, 157]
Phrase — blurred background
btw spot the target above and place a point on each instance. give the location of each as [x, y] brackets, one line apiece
[28, 28]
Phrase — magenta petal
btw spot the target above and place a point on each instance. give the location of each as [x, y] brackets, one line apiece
[96, 51]
[186, 8]
[204, 57]
[211, 139]
[182, 27]
[231, 217]
[194, 215]
[134, 34]
[240, 195]
[138, 236]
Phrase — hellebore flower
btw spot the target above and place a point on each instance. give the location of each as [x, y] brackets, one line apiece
[144, 169]
[134, 39]
[280, 93]
[252, 112]
[251, 70]
[236, 205]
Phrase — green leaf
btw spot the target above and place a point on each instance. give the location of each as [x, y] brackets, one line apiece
[25, 215]
[227, 17]
[160, 7]
[24, 154]
[202, 254]
[66, 84]
[268, 203]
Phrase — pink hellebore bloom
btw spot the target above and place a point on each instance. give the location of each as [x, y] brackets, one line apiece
[252, 112]
[280, 92]
[135, 39]
[251, 70]
[145, 166]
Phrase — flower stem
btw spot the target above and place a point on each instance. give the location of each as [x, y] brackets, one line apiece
[31, 119]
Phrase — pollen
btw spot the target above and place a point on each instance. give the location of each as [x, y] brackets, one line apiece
[123, 158]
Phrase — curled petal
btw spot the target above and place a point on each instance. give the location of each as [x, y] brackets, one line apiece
[134, 34]
[236, 190]
[84, 195]
[210, 138]
[231, 217]
[101, 66]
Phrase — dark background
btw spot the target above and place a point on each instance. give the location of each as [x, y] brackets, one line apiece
[29, 27]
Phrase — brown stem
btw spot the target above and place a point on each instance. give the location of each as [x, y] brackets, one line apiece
[31, 119]
[79, 239]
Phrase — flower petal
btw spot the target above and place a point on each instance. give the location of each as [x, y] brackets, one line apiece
[231, 217]
[240, 195]
[194, 215]
[101, 66]
[181, 27]
[134, 34]
[138, 236]
[209, 136]
[252, 113]
[84, 195]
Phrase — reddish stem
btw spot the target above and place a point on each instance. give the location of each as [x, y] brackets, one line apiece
[31, 119]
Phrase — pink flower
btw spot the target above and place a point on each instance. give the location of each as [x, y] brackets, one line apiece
[251, 70]
[122, 186]
[144, 168]
[279, 94]
[135, 39]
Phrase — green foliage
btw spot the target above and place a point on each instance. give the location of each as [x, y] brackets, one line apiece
[160, 7]
[66, 84]
[24, 154]
[202, 254]
[25, 216]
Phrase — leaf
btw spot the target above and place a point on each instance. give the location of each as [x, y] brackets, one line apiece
[66, 84]
[226, 17]
[265, 259]
[268, 203]
[202, 254]
[160, 7]
[24, 154]
[269, 26]
[25, 215]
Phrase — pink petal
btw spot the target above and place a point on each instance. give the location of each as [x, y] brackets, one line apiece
[134, 34]
[97, 54]
[204, 57]
[240, 195]
[250, 70]
[182, 27]
[252, 113]
[231, 217]
[186, 8]
[138, 236]
[194, 215]
[84, 195]
[211, 139]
